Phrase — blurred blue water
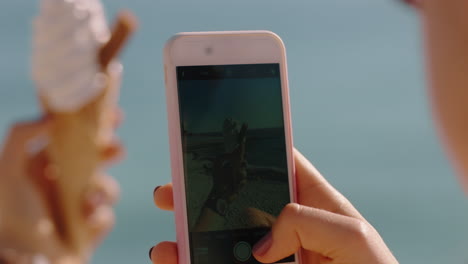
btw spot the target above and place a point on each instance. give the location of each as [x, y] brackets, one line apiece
[359, 112]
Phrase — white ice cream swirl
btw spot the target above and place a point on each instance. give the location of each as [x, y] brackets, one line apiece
[67, 37]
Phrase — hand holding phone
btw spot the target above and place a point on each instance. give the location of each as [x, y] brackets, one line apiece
[234, 186]
[325, 225]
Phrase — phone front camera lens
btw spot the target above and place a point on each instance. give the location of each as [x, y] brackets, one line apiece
[208, 50]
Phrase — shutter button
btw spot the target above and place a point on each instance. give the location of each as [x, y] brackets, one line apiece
[242, 251]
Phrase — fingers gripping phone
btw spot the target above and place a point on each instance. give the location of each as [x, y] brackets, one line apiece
[230, 140]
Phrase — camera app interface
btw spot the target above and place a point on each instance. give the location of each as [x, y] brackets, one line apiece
[235, 165]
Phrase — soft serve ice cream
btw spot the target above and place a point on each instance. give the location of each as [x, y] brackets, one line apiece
[68, 35]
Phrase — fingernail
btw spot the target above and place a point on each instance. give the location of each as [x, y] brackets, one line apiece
[262, 246]
[151, 250]
[155, 189]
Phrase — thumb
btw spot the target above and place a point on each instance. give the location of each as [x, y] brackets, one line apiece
[21, 133]
[316, 230]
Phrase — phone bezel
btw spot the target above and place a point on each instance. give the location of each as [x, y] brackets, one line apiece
[228, 48]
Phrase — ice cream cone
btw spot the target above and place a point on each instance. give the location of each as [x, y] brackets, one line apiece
[77, 141]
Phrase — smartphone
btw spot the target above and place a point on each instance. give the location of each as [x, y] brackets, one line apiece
[230, 141]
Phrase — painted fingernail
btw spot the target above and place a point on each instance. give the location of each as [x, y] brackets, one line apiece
[151, 250]
[262, 246]
[155, 189]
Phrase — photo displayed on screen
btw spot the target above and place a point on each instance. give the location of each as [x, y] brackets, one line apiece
[235, 164]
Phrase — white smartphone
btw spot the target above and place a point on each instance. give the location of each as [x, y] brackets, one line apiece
[230, 140]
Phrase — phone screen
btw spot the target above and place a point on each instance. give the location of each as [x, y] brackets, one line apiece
[235, 164]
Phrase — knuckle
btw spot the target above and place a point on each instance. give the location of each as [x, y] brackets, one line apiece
[292, 209]
[344, 207]
[289, 215]
[361, 232]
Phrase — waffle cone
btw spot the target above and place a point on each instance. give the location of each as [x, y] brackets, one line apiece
[77, 141]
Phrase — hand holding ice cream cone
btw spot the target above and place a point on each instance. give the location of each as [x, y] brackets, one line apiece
[27, 228]
[78, 81]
